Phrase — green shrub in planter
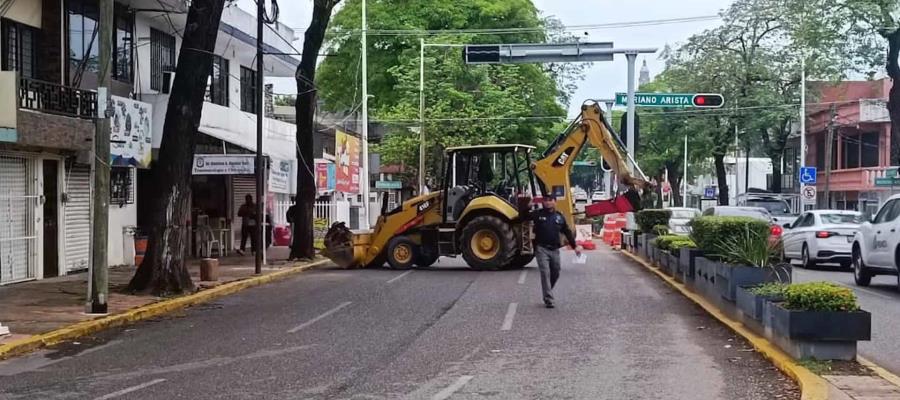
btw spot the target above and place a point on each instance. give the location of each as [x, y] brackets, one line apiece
[681, 242]
[710, 232]
[819, 296]
[664, 242]
[648, 219]
[769, 290]
[661, 230]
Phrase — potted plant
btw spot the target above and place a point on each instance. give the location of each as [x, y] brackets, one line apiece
[646, 220]
[749, 259]
[751, 300]
[677, 247]
[820, 320]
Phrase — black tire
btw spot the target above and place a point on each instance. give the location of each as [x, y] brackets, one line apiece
[499, 231]
[847, 265]
[806, 260]
[519, 261]
[402, 252]
[861, 275]
[427, 257]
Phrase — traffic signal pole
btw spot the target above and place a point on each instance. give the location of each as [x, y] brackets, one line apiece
[631, 57]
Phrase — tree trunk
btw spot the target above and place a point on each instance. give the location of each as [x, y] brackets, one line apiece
[776, 172]
[893, 70]
[163, 270]
[721, 178]
[302, 243]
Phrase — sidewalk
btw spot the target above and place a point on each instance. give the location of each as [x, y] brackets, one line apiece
[37, 307]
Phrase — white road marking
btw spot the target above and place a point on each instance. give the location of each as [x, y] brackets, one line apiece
[398, 277]
[510, 314]
[131, 389]
[449, 390]
[522, 276]
[316, 319]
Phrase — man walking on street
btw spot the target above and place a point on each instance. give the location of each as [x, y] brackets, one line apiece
[247, 212]
[548, 225]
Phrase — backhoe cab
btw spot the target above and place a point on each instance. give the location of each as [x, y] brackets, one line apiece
[486, 192]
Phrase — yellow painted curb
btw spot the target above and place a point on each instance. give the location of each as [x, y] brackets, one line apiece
[879, 370]
[88, 327]
[812, 386]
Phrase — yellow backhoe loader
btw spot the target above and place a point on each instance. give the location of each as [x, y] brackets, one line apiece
[486, 193]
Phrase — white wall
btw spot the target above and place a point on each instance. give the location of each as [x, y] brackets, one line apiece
[25, 11]
[121, 246]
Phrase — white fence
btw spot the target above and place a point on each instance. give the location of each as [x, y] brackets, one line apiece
[325, 210]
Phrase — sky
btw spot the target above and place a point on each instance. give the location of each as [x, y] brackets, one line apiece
[602, 79]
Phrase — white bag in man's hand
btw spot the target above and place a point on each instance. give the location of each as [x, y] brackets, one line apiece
[580, 258]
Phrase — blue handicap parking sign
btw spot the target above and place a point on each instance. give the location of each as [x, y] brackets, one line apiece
[709, 192]
[808, 175]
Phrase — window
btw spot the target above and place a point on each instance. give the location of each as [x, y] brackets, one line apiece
[894, 212]
[841, 219]
[19, 48]
[123, 58]
[84, 50]
[885, 210]
[218, 82]
[162, 57]
[121, 183]
[869, 149]
[851, 152]
[248, 90]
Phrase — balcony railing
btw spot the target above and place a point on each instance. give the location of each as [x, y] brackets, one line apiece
[57, 99]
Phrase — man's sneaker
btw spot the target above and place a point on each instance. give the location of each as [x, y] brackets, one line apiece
[549, 305]
[240, 252]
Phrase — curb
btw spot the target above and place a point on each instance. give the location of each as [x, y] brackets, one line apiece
[812, 386]
[88, 327]
[879, 370]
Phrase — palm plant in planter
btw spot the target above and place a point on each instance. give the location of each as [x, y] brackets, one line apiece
[820, 320]
[749, 259]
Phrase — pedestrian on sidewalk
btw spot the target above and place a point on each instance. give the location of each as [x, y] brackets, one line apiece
[548, 225]
[247, 212]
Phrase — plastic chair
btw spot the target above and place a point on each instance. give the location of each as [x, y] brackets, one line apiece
[208, 240]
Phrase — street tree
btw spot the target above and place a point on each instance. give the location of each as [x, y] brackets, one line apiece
[164, 270]
[305, 105]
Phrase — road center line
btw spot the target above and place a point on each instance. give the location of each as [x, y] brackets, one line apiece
[449, 390]
[316, 319]
[522, 276]
[510, 314]
[398, 277]
[131, 389]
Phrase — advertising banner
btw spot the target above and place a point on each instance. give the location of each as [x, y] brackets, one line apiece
[131, 139]
[347, 155]
[281, 176]
[325, 178]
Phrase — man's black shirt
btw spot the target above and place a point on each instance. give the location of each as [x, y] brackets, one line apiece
[547, 227]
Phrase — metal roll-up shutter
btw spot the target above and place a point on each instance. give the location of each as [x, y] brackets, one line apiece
[18, 223]
[78, 217]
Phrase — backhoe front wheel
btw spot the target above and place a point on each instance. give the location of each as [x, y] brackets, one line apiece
[488, 242]
[402, 252]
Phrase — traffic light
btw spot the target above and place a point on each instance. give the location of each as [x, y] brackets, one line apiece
[705, 100]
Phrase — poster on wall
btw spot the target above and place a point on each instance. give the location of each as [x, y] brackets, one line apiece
[131, 139]
[346, 149]
[325, 176]
[281, 176]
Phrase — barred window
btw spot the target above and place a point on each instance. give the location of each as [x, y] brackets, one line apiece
[162, 57]
[218, 82]
[248, 90]
[121, 185]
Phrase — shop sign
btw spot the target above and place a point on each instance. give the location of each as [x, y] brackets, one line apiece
[347, 156]
[223, 164]
[281, 176]
[388, 185]
[131, 136]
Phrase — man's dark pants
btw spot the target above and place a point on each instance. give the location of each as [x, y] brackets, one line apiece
[248, 232]
[548, 264]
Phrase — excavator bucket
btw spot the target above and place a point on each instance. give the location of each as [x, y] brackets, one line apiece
[339, 246]
[629, 201]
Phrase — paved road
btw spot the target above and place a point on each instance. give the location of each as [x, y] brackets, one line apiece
[441, 333]
[882, 300]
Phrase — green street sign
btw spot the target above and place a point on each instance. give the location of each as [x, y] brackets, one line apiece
[698, 100]
[886, 181]
[585, 163]
[891, 172]
[388, 184]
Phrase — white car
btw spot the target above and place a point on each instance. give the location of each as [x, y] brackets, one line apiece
[599, 196]
[581, 196]
[821, 236]
[678, 223]
[876, 247]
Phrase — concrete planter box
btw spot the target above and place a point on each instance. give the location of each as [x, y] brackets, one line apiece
[729, 277]
[823, 335]
[686, 260]
[668, 262]
[750, 304]
[705, 279]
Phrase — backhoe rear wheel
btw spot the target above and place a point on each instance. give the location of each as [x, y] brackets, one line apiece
[488, 242]
[427, 256]
[519, 261]
[402, 252]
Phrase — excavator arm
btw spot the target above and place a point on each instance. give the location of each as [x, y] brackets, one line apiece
[554, 168]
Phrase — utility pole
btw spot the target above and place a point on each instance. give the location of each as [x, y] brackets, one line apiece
[260, 166]
[684, 184]
[422, 116]
[98, 283]
[630, 140]
[365, 120]
[829, 149]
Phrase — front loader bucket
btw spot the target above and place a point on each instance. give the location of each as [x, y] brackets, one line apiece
[626, 202]
[339, 246]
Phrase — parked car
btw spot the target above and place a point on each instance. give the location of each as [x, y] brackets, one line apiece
[821, 236]
[876, 246]
[752, 212]
[678, 223]
[581, 196]
[779, 208]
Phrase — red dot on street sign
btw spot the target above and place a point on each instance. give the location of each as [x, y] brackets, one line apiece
[701, 100]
